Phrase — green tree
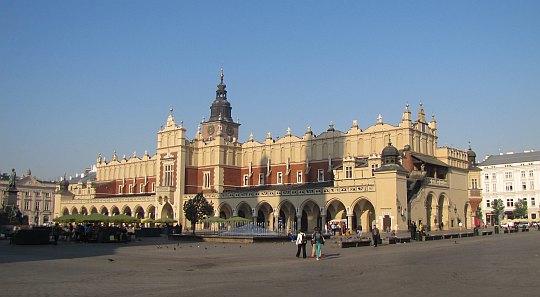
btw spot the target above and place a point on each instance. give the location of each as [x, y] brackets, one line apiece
[478, 213]
[196, 209]
[521, 209]
[498, 208]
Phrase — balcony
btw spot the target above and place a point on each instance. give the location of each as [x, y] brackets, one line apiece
[475, 193]
[436, 182]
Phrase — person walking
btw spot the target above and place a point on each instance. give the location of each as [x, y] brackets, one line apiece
[318, 240]
[375, 235]
[413, 230]
[56, 232]
[301, 242]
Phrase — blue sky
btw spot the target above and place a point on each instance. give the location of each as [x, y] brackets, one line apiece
[78, 78]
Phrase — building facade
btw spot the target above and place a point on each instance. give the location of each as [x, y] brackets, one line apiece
[511, 177]
[292, 182]
[35, 198]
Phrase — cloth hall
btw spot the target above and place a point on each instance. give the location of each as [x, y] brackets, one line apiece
[385, 174]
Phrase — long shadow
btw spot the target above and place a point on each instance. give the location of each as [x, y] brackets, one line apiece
[10, 253]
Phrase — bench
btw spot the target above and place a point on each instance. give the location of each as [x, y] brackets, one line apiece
[453, 235]
[433, 237]
[355, 243]
[484, 233]
[397, 239]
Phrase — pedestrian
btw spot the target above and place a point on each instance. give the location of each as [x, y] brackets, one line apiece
[56, 232]
[413, 230]
[318, 240]
[375, 235]
[301, 242]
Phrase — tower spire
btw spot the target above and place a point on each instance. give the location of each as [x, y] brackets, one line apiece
[221, 75]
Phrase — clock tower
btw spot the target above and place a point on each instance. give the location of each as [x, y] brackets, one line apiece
[220, 122]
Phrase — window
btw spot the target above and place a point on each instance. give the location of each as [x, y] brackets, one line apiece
[522, 174]
[141, 188]
[494, 176]
[486, 186]
[494, 187]
[348, 172]
[486, 176]
[509, 187]
[533, 202]
[48, 195]
[168, 175]
[533, 216]
[246, 180]
[531, 185]
[28, 194]
[261, 179]
[131, 189]
[120, 189]
[26, 204]
[524, 186]
[510, 202]
[320, 175]
[488, 203]
[531, 173]
[37, 194]
[154, 187]
[373, 167]
[525, 201]
[280, 178]
[474, 183]
[206, 180]
[37, 205]
[508, 175]
[298, 177]
[46, 205]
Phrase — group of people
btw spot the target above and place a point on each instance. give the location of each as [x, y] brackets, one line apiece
[317, 240]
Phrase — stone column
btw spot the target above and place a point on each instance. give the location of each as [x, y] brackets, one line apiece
[349, 221]
[276, 221]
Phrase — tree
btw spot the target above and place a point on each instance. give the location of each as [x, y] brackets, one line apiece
[498, 208]
[521, 209]
[478, 213]
[196, 209]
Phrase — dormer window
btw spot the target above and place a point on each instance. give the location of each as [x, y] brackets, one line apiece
[348, 172]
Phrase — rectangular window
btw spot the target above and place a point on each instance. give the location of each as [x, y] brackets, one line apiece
[206, 180]
[486, 176]
[510, 202]
[531, 173]
[246, 180]
[298, 177]
[37, 205]
[509, 187]
[153, 187]
[120, 189]
[488, 203]
[37, 194]
[168, 170]
[141, 188]
[261, 179]
[26, 204]
[494, 177]
[533, 202]
[531, 185]
[131, 189]
[46, 206]
[320, 175]
[522, 174]
[508, 175]
[525, 201]
[48, 195]
[486, 186]
[474, 183]
[348, 172]
[28, 195]
[494, 187]
[373, 167]
[280, 178]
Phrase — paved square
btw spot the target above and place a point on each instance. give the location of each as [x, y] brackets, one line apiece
[499, 265]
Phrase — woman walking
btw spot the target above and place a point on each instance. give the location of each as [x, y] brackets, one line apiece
[301, 241]
[318, 240]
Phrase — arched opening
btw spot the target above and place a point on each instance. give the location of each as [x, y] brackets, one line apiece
[311, 216]
[431, 220]
[286, 218]
[104, 211]
[167, 211]
[151, 212]
[364, 215]
[265, 218]
[126, 210]
[65, 212]
[225, 211]
[93, 210]
[442, 213]
[244, 211]
[115, 211]
[84, 211]
[74, 211]
[139, 212]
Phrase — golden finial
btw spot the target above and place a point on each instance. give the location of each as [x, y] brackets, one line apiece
[221, 75]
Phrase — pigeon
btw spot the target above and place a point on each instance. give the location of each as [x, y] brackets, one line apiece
[110, 260]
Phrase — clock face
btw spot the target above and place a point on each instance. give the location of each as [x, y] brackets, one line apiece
[230, 130]
[210, 130]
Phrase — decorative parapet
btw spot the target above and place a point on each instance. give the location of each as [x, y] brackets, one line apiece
[436, 182]
[270, 193]
[111, 200]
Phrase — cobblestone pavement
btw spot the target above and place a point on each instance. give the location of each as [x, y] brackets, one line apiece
[497, 265]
